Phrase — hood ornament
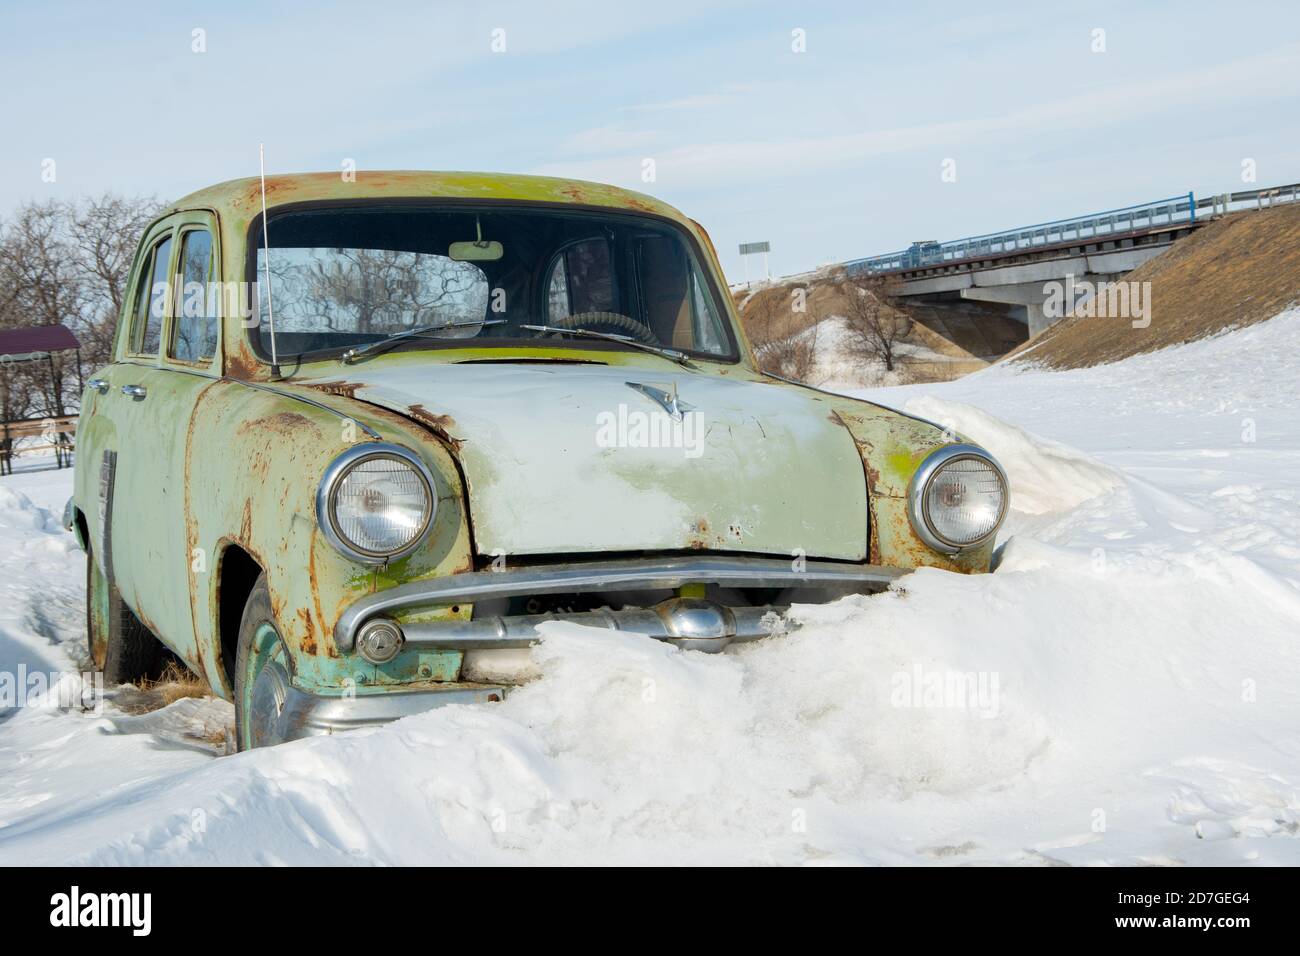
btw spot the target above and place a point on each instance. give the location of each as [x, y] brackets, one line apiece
[665, 398]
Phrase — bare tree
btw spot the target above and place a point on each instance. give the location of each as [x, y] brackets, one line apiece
[66, 263]
[873, 326]
[374, 290]
[104, 232]
[785, 342]
[43, 287]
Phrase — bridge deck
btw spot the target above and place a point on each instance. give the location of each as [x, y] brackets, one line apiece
[1163, 217]
[1139, 238]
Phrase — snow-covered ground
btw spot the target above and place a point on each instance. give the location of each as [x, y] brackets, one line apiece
[835, 369]
[1132, 674]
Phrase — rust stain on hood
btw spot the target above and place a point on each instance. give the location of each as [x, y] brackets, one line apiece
[338, 387]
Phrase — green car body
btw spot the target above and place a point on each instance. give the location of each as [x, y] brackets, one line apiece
[203, 478]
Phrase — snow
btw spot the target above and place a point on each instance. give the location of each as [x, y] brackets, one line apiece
[836, 370]
[1125, 689]
[1048, 476]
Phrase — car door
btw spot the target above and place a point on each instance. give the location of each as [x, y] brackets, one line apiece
[166, 391]
[120, 522]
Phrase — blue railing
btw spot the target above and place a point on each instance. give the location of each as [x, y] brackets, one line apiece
[1111, 222]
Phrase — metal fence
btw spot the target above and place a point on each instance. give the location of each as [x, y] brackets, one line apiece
[1128, 219]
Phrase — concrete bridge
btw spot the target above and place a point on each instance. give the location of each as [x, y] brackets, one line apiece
[1018, 267]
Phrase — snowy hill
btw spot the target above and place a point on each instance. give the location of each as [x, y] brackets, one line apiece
[1231, 273]
[1124, 690]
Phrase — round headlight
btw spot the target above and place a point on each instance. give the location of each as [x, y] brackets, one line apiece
[958, 498]
[376, 502]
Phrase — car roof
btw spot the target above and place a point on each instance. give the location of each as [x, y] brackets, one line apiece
[242, 198]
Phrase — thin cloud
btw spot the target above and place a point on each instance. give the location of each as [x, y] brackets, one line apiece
[603, 140]
[698, 101]
[706, 164]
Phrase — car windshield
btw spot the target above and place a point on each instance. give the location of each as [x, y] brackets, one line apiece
[346, 277]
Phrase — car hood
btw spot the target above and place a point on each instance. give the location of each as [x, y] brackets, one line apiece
[562, 458]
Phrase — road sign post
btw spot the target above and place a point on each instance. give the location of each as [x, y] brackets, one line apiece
[753, 248]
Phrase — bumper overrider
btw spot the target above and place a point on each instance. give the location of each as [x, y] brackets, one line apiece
[495, 644]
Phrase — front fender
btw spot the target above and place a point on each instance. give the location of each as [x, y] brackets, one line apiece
[893, 446]
[253, 463]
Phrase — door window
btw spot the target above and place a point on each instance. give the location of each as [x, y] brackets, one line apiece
[194, 327]
[151, 301]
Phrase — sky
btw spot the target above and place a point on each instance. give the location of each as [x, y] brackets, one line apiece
[832, 130]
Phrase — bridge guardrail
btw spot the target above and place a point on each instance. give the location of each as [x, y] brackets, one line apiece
[1094, 225]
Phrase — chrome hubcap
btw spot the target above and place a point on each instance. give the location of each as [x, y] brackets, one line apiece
[269, 688]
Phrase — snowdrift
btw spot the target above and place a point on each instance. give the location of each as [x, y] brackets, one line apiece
[1046, 475]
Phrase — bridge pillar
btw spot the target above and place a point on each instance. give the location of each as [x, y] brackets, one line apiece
[1032, 296]
[1037, 318]
[1027, 277]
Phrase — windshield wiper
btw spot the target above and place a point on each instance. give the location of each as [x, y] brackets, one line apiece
[352, 354]
[671, 354]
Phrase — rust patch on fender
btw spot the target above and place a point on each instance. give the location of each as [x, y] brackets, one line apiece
[282, 423]
[277, 607]
[440, 425]
[313, 584]
[192, 542]
[308, 645]
[873, 482]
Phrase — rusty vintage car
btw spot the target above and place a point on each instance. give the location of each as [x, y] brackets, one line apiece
[360, 439]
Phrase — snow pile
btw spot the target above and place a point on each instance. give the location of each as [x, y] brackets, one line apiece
[1123, 690]
[40, 577]
[1045, 475]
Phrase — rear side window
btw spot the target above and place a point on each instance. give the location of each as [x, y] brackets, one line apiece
[151, 301]
[194, 328]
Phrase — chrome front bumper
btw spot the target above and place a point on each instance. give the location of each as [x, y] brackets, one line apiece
[687, 622]
[495, 647]
[596, 577]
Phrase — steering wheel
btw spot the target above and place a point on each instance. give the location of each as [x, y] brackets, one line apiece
[608, 322]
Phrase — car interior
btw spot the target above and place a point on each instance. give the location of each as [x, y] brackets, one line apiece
[347, 276]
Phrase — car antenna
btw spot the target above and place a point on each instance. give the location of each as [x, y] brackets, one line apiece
[266, 252]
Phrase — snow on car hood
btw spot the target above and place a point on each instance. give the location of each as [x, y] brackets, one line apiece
[569, 458]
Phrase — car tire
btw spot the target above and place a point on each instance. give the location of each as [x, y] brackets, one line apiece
[117, 641]
[261, 671]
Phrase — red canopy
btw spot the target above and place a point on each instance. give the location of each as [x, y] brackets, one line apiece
[36, 341]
